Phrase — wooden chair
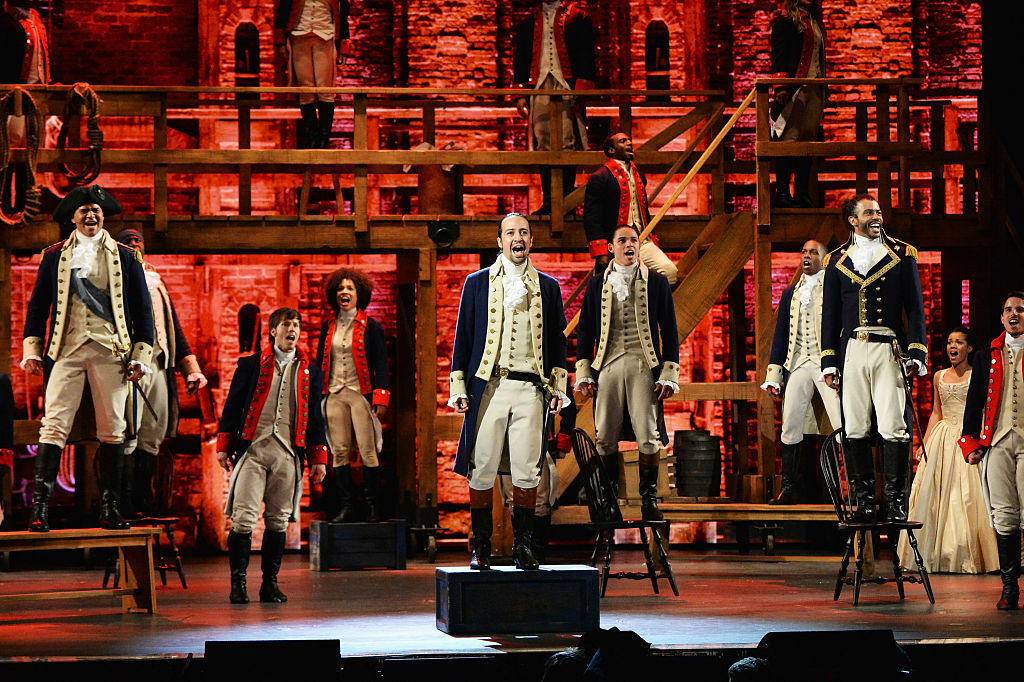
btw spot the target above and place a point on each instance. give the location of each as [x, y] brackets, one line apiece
[834, 471]
[606, 517]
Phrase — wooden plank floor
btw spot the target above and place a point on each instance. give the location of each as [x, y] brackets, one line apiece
[722, 603]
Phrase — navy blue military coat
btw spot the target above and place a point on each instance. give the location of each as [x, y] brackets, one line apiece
[890, 290]
[471, 338]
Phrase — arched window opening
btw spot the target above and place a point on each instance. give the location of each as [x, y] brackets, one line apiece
[656, 63]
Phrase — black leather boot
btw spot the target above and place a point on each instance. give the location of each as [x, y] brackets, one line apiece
[309, 131]
[270, 562]
[649, 493]
[895, 464]
[126, 496]
[343, 484]
[541, 535]
[47, 465]
[110, 458]
[860, 470]
[325, 123]
[545, 189]
[1008, 547]
[371, 493]
[239, 548]
[522, 530]
[802, 183]
[610, 463]
[783, 176]
[142, 489]
[483, 527]
[790, 466]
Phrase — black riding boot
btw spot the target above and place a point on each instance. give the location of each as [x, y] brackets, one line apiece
[545, 189]
[270, 562]
[110, 458]
[239, 548]
[522, 530]
[309, 131]
[325, 123]
[343, 484]
[802, 183]
[371, 493]
[1009, 569]
[790, 466]
[783, 175]
[895, 464]
[860, 470]
[483, 527]
[142, 490]
[541, 535]
[126, 495]
[47, 465]
[649, 493]
[611, 467]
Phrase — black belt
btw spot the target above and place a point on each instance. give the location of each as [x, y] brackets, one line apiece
[528, 377]
[871, 337]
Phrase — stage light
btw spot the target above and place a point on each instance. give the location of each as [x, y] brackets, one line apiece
[444, 233]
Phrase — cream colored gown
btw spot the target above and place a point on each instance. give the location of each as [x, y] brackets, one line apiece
[947, 497]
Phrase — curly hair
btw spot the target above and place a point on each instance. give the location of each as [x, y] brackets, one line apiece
[364, 288]
[849, 208]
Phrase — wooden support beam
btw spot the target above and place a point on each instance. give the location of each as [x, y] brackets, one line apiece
[883, 136]
[680, 125]
[937, 125]
[764, 169]
[861, 133]
[5, 311]
[713, 272]
[430, 123]
[244, 172]
[407, 270]
[426, 377]
[876, 149]
[903, 137]
[763, 318]
[717, 390]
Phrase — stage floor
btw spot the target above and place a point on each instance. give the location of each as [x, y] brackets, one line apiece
[723, 603]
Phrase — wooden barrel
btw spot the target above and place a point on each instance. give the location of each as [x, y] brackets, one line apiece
[698, 464]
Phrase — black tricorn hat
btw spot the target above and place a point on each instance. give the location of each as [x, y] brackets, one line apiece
[80, 196]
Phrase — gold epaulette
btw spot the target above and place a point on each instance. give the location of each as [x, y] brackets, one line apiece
[908, 250]
[828, 256]
[56, 244]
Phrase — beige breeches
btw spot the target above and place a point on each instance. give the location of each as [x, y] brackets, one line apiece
[350, 425]
[93, 364]
[314, 63]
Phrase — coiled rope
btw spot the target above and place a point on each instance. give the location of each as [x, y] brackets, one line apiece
[33, 127]
[82, 94]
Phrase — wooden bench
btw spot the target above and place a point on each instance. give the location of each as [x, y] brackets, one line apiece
[765, 517]
[135, 554]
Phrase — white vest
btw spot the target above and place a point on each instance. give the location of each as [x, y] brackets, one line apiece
[276, 418]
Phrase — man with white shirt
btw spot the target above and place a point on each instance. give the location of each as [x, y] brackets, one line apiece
[271, 425]
[508, 373]
[628, 357]
[795, 362]
[554, 50]
[994, 437]
[159, 420]
[617, 195]
[312, 35]
[93, 292]
[871, 284]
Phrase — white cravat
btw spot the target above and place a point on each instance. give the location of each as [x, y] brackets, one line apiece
[83, 254]
[620, 277]
[865, 253]
[1015, 344]
[282, 359]
[345, 317]
[512, 282]
[807, 288]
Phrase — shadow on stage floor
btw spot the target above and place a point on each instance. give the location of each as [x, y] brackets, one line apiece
[724, 608]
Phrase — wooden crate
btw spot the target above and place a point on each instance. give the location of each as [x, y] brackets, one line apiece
[351, 546]
[505, 600]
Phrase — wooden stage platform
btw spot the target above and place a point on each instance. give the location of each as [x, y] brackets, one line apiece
[725, 606]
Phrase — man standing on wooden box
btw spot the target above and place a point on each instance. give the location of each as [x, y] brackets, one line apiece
[617, 195]
[795, 361]
[993, 436]
[508, 378]
[100, 331]
[270, 426]
[353, 359]
[628, 360]
[871, 285]
[159, 419]
[554, 50]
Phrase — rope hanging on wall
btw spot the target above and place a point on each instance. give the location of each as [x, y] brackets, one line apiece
[82, 94]
[33, 128]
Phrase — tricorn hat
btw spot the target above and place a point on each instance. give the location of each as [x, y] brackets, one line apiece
[80, 196]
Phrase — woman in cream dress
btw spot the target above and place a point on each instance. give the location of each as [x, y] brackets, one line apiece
[947, 494]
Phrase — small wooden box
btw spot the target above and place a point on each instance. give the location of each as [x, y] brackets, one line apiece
[505, 600]
[351, 546]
